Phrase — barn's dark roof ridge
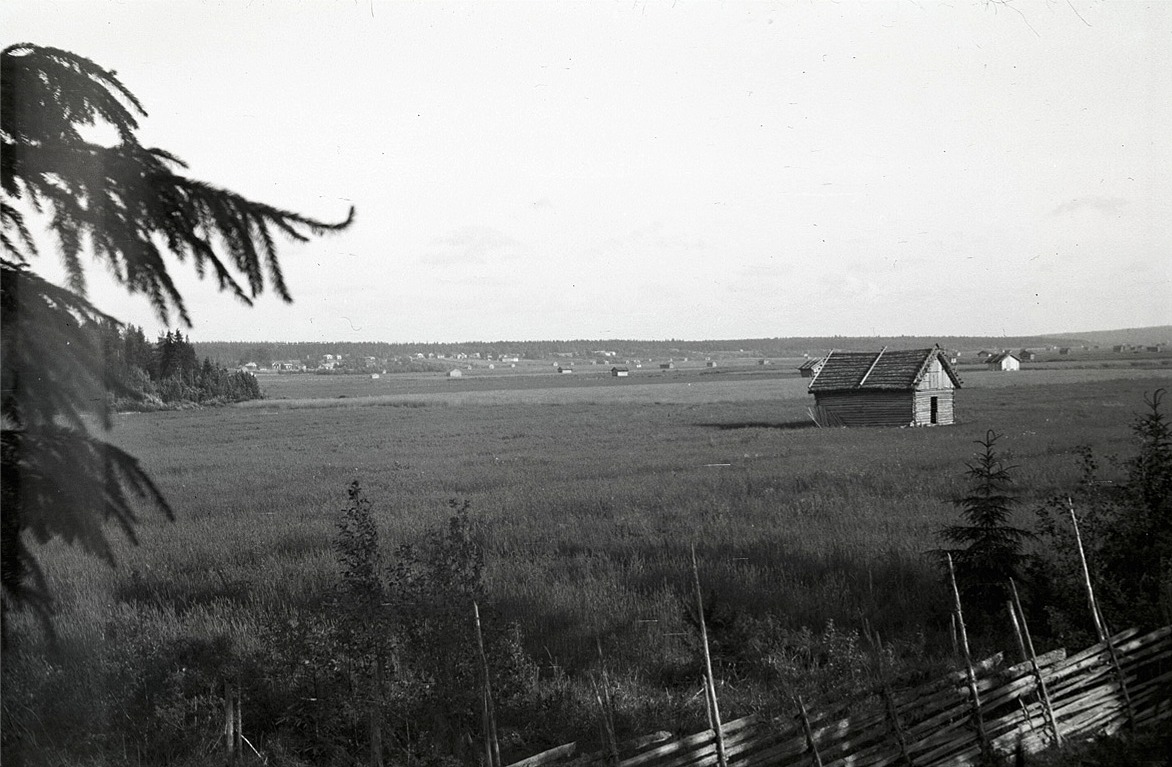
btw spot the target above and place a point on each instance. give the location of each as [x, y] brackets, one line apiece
[892, 369]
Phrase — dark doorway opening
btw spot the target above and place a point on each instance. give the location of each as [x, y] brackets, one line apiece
[935, 410]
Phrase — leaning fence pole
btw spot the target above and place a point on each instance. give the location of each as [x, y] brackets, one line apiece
[1016, 629]
[607, 706]
[491, 745]
[809, 731]
[1086, 574]
[889, 702]
[1044, 695]
[1119, 672]
[986, 748]
[1100, 624]
[717, 727]
[238, 733]
[230, 721]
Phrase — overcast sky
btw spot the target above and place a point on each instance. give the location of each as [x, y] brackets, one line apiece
[550, 170]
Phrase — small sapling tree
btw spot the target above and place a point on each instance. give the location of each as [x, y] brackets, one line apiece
[363, 617]
[987, 548]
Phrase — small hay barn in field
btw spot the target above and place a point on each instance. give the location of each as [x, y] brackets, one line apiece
[810, 367]
[1005, 362]
[904, 387]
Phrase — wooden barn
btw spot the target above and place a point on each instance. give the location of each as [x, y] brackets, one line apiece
[1004, 361]
[618, 372]
[904, 387]
[810, 367]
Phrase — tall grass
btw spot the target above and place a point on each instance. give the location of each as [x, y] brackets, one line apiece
[589, 499]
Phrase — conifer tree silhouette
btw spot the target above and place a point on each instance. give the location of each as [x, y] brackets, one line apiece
[989, 548]
[129, 206]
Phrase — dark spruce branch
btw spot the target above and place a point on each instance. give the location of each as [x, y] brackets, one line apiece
[129, 207]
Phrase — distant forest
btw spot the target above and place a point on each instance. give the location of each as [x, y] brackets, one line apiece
[235, 353]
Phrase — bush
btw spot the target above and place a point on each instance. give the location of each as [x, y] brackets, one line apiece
[1125, 521]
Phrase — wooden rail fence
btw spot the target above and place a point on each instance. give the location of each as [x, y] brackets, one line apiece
[1125, 679]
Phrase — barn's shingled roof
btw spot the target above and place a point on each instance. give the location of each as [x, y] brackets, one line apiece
[898, 369]
[811, 363]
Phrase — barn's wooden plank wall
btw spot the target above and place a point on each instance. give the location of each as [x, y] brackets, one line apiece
[868, 408]
[932, 725]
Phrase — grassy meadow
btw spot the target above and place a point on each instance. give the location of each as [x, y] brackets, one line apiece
[589, 493]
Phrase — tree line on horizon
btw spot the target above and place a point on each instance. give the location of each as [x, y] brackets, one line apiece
[264, 353]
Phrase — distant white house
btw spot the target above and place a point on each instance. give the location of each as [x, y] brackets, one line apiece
[455, 373]
[1004, 361]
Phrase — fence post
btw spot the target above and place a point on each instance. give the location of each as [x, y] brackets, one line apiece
[717, 727]
[1100, 624]
[986, 748]
[889, 699]
[229, 721]
[607, 706]
[1086, 574]
[238, 748]
[806, 728]
[492, 750]
[1044, 695]
[1016, 630]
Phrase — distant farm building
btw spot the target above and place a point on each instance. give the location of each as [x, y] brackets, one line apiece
[763, 362]
[710, 364]
[810, 367]
[1004, 361]
[1025, 355]
[666, 365]
[620, 372]
[1064, 350]
[455, 373]
[565, 369]
[908, 387]
[289, 366]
